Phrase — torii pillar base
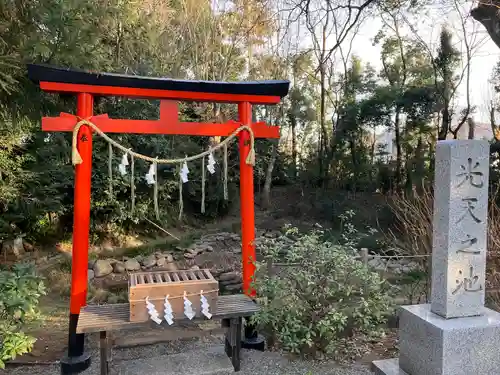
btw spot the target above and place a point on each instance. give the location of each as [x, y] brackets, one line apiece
[75, 365]
[252, 340]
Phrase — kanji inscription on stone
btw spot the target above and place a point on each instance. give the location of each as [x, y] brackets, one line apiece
[459, 228]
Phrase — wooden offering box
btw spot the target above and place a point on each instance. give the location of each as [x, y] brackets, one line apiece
[156, 285]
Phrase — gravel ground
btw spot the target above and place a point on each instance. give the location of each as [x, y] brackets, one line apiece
[253, 362]
[272, 363]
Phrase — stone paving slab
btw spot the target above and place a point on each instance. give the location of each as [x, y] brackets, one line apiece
[209, 361]
[252, 363]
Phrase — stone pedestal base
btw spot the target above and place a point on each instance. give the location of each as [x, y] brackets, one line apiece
[432, 345]
[387, 367]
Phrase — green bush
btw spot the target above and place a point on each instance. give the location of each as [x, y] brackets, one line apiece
[20, 291]
[323, 300]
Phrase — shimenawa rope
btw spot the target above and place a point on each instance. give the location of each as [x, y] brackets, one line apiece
[76, 159]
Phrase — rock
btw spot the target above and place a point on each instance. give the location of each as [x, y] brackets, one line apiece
[272, 234]
[195, 267]
[91, 263]
[112, 261]
[236, 250]
[209, 248]
[139, 258]
[102, 268]
[393, 265]
[13, 250]
[215, 272]
[18, 246]
[28, 247]
[413, 265]
[149, 261]
[107, 246]
[158, 255]
[118, 267]
[132, 265]
[171, 267]
[375, 262]
[198, 249]
[42, 260]
[381, 267]
[229, 276]
[233, 287]
[189, 255]
[160, 262]
[230, 282]
[169, 258]
[90, 275]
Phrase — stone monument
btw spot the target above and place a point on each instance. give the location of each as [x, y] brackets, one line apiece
[455, 334]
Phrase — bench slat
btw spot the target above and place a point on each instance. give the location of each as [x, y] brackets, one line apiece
[96, 318]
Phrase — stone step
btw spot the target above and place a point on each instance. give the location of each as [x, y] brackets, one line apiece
[206, 361]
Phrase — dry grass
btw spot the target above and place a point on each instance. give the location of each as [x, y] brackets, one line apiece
[413, 235]
[59, 282]
[413, 231]
[493, 259]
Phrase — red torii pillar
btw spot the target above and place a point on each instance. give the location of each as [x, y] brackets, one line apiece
[86, 86]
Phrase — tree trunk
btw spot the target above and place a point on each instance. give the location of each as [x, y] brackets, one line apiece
[352, 147]
[324, 137]
[399, 152]
[419, 166]
[372, 154]
[494, 128]
[472, 128]
[266, 191]
[293, 125]
[409, 180]
[488, 13]
[432, 156]
[323, 110]
[445, 123]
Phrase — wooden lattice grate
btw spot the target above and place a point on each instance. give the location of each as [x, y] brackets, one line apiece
[169, 277]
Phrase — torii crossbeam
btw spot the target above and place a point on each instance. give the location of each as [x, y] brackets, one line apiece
[85, 86]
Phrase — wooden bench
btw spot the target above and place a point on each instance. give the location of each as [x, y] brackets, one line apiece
[107, 318]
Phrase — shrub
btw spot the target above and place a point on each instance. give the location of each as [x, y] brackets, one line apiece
[20, 290]
[323, 300]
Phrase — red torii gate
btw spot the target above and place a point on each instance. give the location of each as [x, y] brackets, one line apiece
[87, 85]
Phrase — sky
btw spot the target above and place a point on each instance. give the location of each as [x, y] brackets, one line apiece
[486, 53]
[427, 25]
